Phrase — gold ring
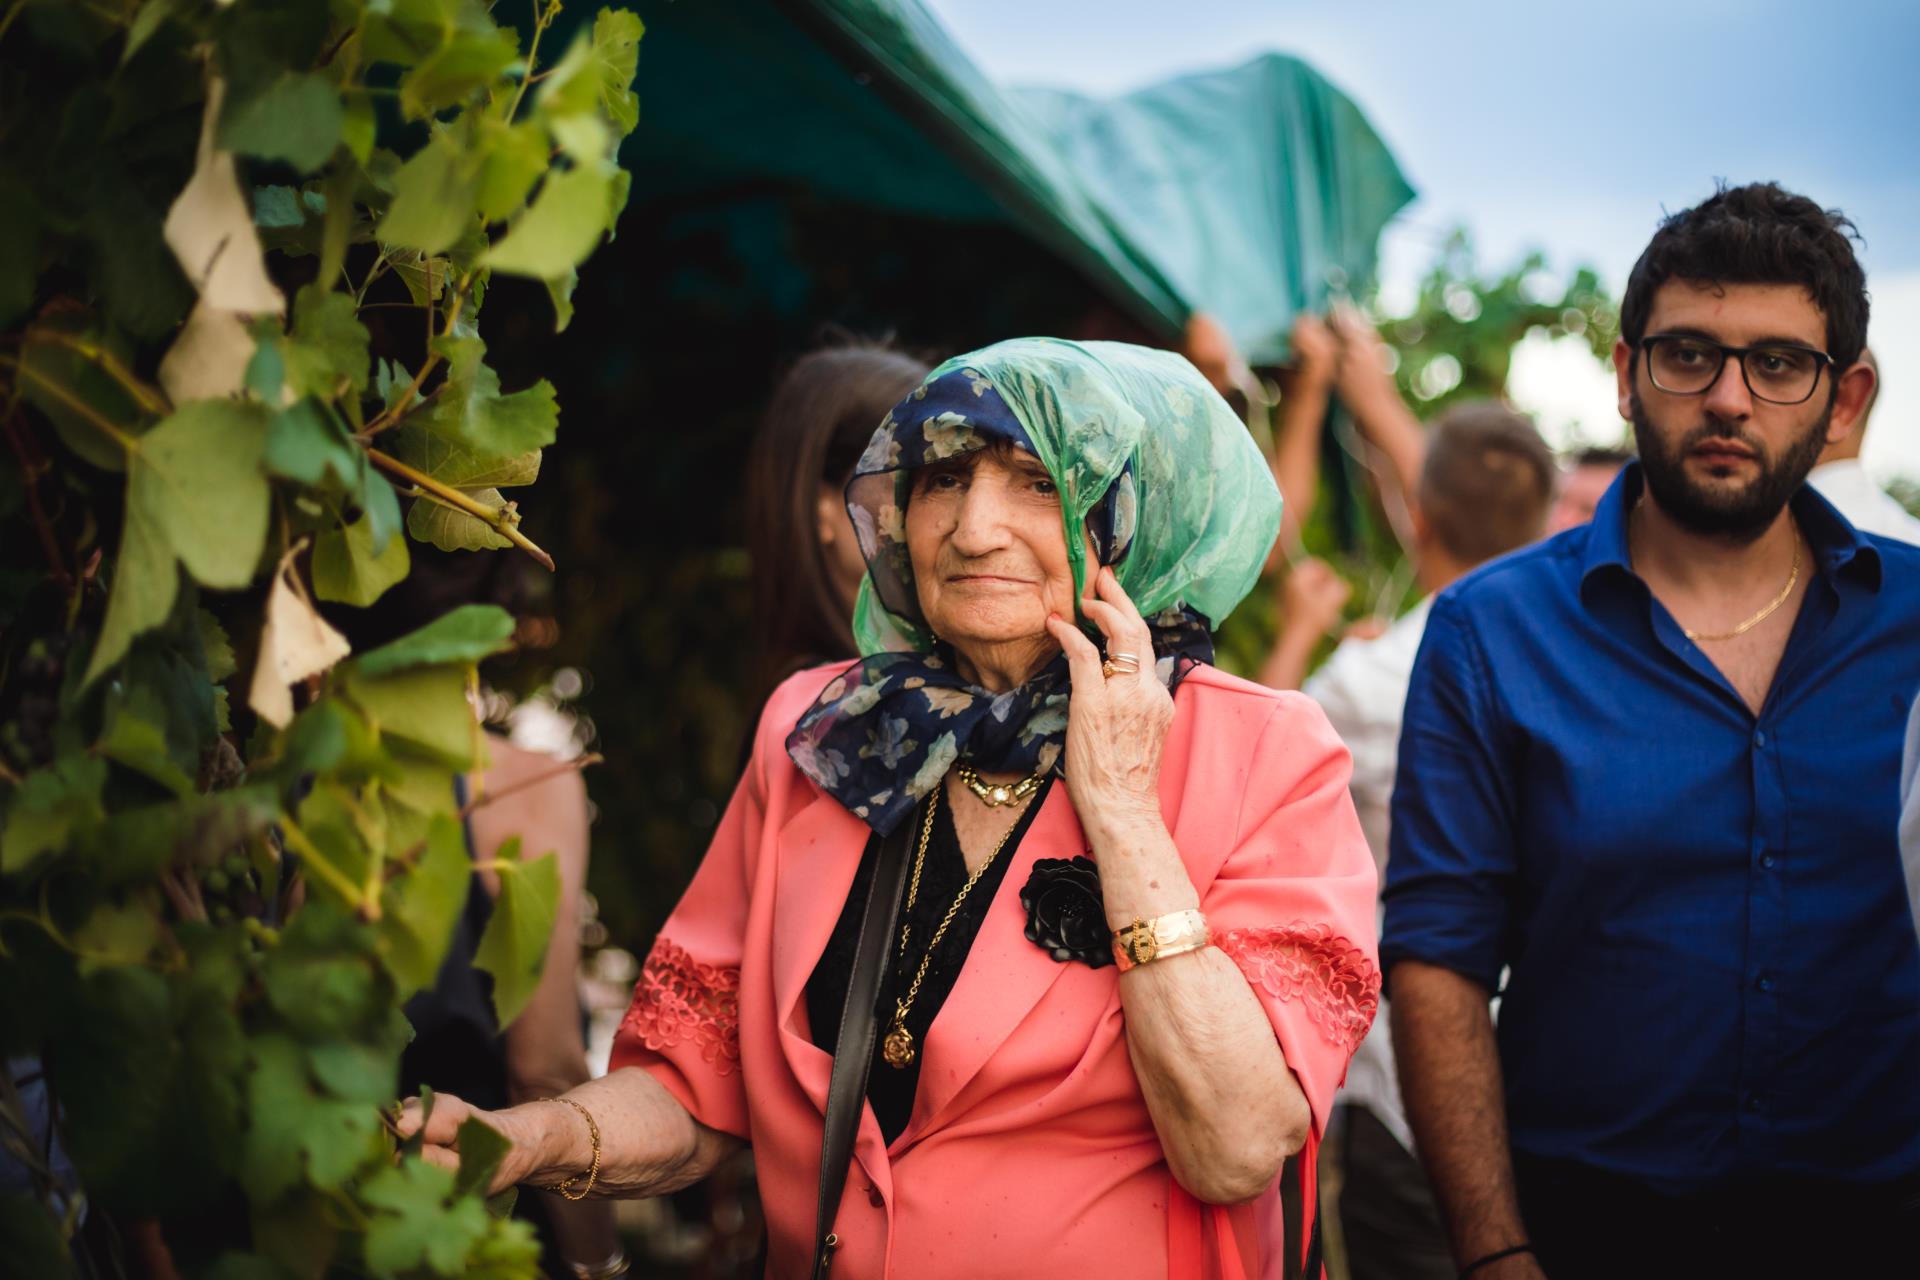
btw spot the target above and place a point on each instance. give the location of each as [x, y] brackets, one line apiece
[1119, 663]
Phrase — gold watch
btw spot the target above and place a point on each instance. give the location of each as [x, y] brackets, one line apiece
[1145, 941]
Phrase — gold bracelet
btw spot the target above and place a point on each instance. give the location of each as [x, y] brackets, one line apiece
[1145, 941]
[593, 1170]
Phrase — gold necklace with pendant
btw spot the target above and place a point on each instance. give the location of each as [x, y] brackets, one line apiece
[996, 794]
[898, 1048]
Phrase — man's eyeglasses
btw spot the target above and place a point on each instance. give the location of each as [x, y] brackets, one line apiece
[1779, 373]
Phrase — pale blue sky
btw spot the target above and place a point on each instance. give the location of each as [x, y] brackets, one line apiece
[1556, 126]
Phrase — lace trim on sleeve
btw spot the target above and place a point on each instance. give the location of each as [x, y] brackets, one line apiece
[1334, 981]
[679, 999]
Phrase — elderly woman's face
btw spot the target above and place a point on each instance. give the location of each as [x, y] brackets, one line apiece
[989, 558]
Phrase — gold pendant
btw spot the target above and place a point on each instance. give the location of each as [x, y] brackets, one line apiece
[897, 1048]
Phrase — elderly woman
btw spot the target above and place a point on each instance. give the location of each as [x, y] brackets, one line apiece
[1123, 935]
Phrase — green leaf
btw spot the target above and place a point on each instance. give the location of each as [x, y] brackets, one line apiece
[515, 157]
[266, 372]
[425, 708]
[328, 344]
[561, 227]
[73, 391]
[117, 933]
[434, 198]
[218, 649]
[598, 73]
[296, 1133]
[359, 125]
[47, 809]
[296, 118]
[297, 1231]
[468, 408]
[451, 530]
[421, 906]
[482, 1148]
[147, 20]
[382, 509]
[425, 278]
[471, 59]
[197, 478]
[616, 52]
[584, 137]
[310, 446]
[561, 291]
[144, 586]
[347, 569]
[465, 635]
[138, 744]
[322, 978]
[456, 465]
[355, 1072]
[514, 947]
[423, 1224]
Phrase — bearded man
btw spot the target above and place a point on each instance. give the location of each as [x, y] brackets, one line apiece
[1649, 773]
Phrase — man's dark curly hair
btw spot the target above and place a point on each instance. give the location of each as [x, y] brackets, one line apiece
[1757, 234]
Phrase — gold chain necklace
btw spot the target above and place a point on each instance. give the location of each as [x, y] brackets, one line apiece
[898, 1048]
[1793, 577]
[996, 794]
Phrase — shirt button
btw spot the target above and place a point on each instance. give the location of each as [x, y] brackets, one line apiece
[1763, 983]
[1753, 1102]
[1767, 860]
[1760, 737]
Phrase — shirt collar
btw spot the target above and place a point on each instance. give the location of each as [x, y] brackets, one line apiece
[1837, 546]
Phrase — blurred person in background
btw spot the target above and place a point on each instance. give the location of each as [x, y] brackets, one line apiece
[1342, 355]
[1649, 769]
[1485, 486]
[1845, 483]
[1587, 477]
[1072, 1066]
[806, 561]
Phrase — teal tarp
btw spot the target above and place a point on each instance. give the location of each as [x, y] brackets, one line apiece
[1231, 193]
[1255, 189]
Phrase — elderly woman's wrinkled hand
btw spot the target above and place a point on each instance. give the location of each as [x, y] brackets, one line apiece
[440, 1144]
[1116, 725]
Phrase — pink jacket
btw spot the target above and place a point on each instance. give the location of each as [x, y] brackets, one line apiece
[1030, 1151]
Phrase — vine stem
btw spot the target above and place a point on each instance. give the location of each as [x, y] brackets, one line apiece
[150, 400]
[310, 856]
[390, 415]
[494, 520]
[80, 407]
[413, 852]
[543, 14]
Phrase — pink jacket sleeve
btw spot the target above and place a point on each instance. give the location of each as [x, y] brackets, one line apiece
[1293, 904]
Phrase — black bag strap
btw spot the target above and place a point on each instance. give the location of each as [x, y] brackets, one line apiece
[1299, 1264]
[853, 1049]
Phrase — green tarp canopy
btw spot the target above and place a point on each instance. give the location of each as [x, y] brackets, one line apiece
[1241, 193]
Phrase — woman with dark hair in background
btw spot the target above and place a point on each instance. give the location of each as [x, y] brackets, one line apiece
[806, 562]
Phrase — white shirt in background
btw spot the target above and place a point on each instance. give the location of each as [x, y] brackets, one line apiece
[1865, 504]
[1363, 690]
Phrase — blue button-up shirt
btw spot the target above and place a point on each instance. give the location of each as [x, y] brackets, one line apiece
[1712, 970]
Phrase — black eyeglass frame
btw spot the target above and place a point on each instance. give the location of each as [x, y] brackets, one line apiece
[1825, 362]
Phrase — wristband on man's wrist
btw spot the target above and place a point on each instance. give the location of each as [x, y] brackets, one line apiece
[1488, 1260]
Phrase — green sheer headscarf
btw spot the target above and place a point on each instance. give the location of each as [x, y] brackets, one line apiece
[1137, 433]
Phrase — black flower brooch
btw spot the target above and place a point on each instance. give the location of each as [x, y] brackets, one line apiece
[1065, 916]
